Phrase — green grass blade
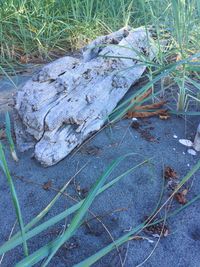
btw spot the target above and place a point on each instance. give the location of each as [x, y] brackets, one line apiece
[122, 109]
[44, 251]
[94, 258]
[14, 197]
[8, 131]
[9, 137]
[43, 212]
[74, 225]
[17, 240]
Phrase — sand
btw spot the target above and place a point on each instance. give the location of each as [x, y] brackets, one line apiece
[121, 207]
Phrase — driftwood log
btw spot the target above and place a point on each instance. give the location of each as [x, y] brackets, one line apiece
[70, 98]
[196, 144]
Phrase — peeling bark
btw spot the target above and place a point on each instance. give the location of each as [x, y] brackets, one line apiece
[70, 98]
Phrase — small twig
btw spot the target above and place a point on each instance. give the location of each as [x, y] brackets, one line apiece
[156, 245]
[107, 213]
[89, 139]
[72, 198]
[51, 187]
[110, 235]
[127, 129]
[125, 257]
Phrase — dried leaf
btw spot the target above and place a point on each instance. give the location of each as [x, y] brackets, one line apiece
[143, 110]
[151, 106]
[170, 173]
[145, 133]
[181, 197]
[148, 136]
[146, 114]
[159, 229]
[143, 96]
[47, 185]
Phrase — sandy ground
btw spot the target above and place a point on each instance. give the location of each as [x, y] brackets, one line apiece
[121, 207]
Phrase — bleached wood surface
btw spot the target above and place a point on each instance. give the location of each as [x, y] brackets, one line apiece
[70, 98]
[196, 143]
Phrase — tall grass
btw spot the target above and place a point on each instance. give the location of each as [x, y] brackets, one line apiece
[178, 23]
[42, 30]
[42, 26]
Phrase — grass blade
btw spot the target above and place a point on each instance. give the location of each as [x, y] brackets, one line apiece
[9, 137]
[83, 210]
[126, 105]
[101, 253]
[44, 251]
[17, 240]
[14, 197]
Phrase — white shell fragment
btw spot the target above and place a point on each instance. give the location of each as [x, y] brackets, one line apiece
[175, 136]
[186, 142]
[192, 152]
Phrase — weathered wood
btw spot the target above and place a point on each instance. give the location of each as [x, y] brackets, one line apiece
[70, 98]
[196, 143]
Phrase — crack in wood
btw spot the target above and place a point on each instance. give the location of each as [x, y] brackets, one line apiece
[70, 98]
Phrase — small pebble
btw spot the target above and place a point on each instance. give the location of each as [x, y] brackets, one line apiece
[192, 152]
[150, 241]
